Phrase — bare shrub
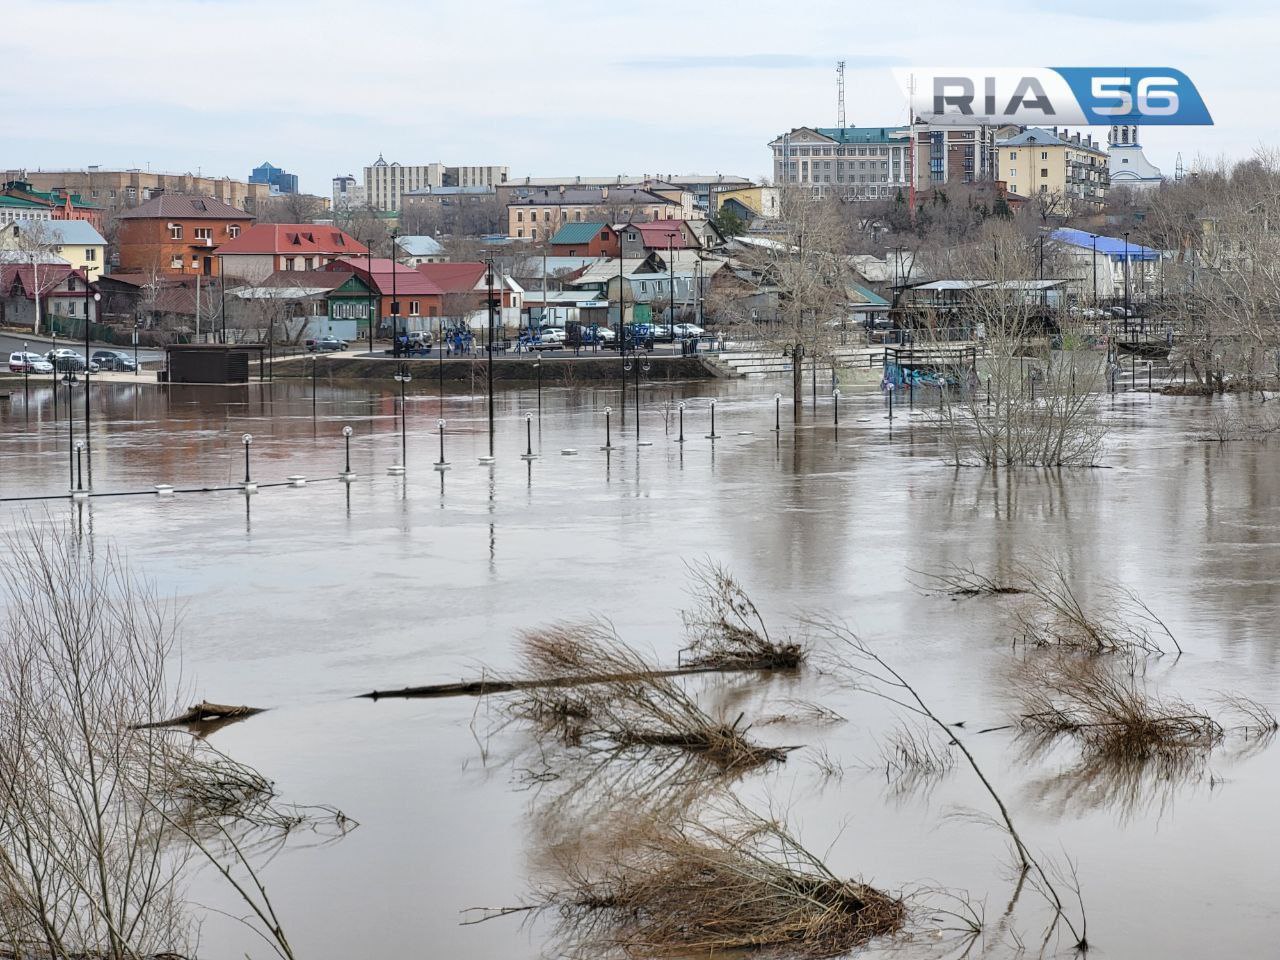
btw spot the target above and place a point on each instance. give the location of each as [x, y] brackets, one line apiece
[726, 629]
[966, 581]
[622, 701]
[95, 836]
[913, 750]
[691, 888]
[1108, 711]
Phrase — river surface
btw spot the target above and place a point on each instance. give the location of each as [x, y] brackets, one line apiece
[298, 599]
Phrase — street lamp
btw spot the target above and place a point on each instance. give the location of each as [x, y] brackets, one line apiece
[608, 436]
[79, 474]
[528, 432]
[88, 450]
[1126, 283]
[442, 463]
[537, 366]
[489, 282]
[777, 413]
[835, 398]
[402, 376]
[71, 431]
[671, 276]
[395, 304]
[347, 475]
[26, 378]
[247, 439]
[680, 406]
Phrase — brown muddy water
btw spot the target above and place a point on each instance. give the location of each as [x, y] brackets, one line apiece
[299, 599]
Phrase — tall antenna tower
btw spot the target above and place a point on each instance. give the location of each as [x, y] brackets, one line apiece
[840, 90]
[1178, 172]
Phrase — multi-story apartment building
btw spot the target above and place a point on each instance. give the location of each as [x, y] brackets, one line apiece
[277, 179]
[874, 163]
[115, 190]
[176, 235]
[348, 194]
[1056, 164]
[385, 182]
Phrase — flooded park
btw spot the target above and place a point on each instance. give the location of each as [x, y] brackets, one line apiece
[853, 539]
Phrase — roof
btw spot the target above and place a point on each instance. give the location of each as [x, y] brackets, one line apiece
[50, 275]
[862, 134]
[65, 232]
[1040, 137]
[867, 297]
[579, 232]
[294, 284]
[655, 234]
[10, 201]
[420, 246]
[379, 272]
[587, 195]
[1117, 249]
[184, 206]
[479, 190]
[455, 277]
[602, 271]
[287, 238]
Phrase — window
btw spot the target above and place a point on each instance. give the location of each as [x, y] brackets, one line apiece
[71, 284]
[519, 231]
[1044, 154]
[203, 233]
[175, 231]
[533, 233]
[289, 262]
[604, 234]
[233, 231]
[91, 253]
[413, 308]
[175, 262]
[71, 309]
[308, 263]
[519, 216]
[1044, 172]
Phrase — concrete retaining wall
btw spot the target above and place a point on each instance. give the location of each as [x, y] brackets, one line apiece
[555, 371]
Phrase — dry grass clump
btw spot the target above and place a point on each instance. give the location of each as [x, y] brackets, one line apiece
[915, 752]
[621, 701]
[966, 581]
[1108, 711]
[726, 630]
[692, 889]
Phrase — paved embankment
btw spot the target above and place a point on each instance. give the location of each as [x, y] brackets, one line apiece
[554, 370]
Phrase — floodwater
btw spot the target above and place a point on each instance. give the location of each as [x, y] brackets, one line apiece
[297, 599]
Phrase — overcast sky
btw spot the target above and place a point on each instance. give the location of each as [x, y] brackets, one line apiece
[550, 87]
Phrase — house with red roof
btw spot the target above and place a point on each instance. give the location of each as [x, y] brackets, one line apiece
[641, 239]
[465, 286]
[175, 234]
[45, 296]
[407, 299]
[267, 248]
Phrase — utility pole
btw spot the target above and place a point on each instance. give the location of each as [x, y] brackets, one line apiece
[840, 91]
[489, 278]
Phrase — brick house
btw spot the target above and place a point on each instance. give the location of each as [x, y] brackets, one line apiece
[590, 239]
[267, 248]
[177, 235]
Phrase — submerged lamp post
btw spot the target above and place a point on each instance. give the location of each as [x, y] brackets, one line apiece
[680, 407]
[347, 475]
[88, 450]
[713, 435]
[777, 413]
[528, 432]
[247, 439]
[79, 473]
[608, 441]
[402, 377]
[835, 397]
[71, 430]
[442, 463]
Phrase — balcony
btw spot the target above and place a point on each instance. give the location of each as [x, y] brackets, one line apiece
[205, 243]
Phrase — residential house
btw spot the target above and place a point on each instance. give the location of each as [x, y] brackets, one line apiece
[265, 248]
[45, 297]
[638, 239]
[593, 238]
[407, 299]
[415, 250]
[114, 190]
[751, 203]
[74, 241]
[176, 235]
[1045, 162]
[1097, 266]
[465, 289]
[20, 208]
[315, 303]
[700, 188]
[538, 214]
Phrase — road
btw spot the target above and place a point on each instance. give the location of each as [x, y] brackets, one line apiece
[9, 342]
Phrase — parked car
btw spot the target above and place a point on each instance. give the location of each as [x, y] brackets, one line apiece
[114, 360]
[551, 335]
[689, 330]
[543, 343]
[20, 362]
[68, 361]
[325, 344]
